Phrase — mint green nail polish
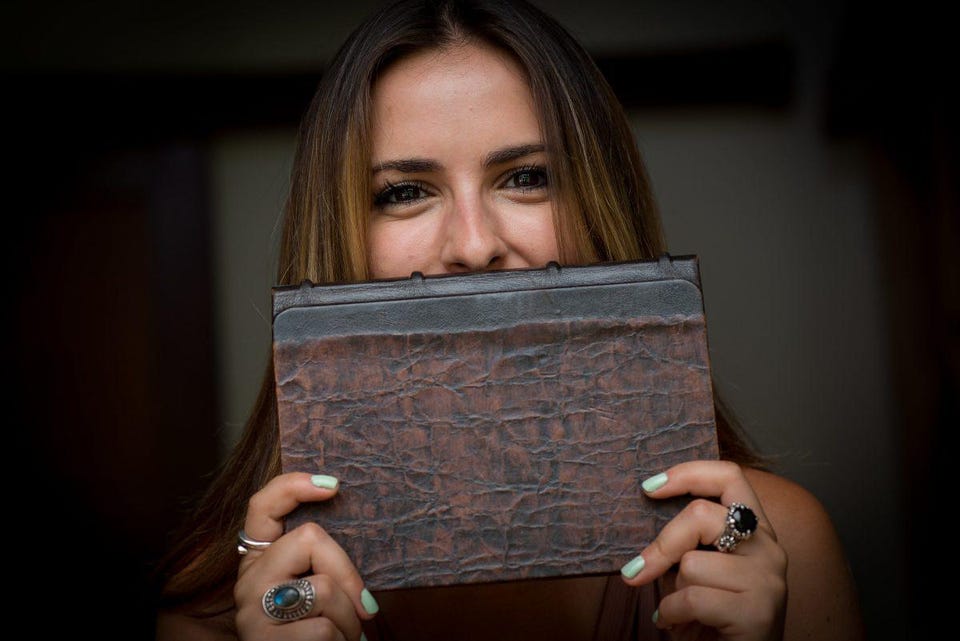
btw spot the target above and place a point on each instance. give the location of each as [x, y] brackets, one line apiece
[369, 603]
[363, 637]
[324, 481]
[654, 483]
[656, 615]
[633, 568]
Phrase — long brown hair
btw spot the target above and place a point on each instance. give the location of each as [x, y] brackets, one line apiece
[601, 188]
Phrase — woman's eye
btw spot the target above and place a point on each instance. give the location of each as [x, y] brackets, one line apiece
[527, 178]
[400, 194]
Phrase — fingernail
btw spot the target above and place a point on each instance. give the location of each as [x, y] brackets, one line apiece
[363, 637]
[369, 603]
[633, 568]
[656, 615]
[654, 483]
[324, 481]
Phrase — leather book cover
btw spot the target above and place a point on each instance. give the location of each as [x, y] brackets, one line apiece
[494, 426]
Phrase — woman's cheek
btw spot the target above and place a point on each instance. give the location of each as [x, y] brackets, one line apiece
[532, 234]
[400, 247]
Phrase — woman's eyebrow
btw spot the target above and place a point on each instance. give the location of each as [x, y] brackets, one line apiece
[409, 165]
[424, 165]
[508, 154]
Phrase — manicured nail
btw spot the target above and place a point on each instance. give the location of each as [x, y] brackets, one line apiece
[369, 603]
[656, 615]
[633, 568]
[324, 481]
[654, 483]
[363, 637]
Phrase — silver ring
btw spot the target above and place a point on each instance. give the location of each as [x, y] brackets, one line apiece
[289, 601]
[740, 524]
[245, 544]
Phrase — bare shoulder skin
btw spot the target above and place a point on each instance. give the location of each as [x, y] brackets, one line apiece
[822, 602]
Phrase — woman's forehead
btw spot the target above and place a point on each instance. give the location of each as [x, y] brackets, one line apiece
[471, 93]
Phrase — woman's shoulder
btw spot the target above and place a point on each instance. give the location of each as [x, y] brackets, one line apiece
[802, 525]
[819, 579]
[784, 500]
[799, 519]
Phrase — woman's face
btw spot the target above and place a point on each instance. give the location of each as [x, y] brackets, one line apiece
[459, 167]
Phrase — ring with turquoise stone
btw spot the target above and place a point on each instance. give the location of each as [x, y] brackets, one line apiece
[289, 601]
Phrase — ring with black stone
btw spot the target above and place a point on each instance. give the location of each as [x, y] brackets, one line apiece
[740, 524]
[289, 601]
[245, 544]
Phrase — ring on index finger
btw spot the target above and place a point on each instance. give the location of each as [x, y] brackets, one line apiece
[740, 524]
[245, 544]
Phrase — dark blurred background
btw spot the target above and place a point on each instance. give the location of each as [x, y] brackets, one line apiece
[806, 151]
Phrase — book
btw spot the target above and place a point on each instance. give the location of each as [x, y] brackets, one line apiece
[494, 426]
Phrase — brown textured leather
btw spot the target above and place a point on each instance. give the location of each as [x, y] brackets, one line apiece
[495, 454]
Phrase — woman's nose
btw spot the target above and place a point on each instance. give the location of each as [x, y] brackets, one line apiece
[472, 241]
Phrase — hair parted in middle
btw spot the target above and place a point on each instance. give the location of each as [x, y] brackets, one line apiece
[604, 208]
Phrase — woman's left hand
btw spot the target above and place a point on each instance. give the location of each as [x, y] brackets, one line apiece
[739, 595]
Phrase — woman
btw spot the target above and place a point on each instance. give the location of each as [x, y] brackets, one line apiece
[454, 136]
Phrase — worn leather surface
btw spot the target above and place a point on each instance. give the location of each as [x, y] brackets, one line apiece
[495, 454]
[550, 278]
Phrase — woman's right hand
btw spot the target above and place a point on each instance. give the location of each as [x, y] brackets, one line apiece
[308, 552]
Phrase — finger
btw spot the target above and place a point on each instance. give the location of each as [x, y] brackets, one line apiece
[335, 605]
[320, 629]
[280, 496]
[732, 572]
[700, 522]
[331, 602]
[310, 550]
[728, 612]
[723, 479]
[712, 570]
